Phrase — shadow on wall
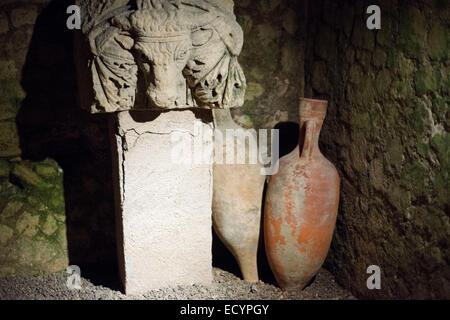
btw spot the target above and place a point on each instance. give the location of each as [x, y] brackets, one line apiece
[51, 124]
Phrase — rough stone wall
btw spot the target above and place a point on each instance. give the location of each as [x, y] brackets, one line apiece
[32, 216]
[272, 59]
[387, 131]
[56, 195]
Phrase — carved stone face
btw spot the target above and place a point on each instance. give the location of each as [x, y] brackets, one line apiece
[162, 45]
[170, 55]
[161, 64]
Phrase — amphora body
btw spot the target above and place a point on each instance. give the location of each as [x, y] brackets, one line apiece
[301, 205]
[237, 199]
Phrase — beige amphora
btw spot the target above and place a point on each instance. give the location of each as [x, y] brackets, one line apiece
[237, 200]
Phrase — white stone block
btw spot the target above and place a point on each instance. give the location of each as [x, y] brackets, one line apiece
[163, 208]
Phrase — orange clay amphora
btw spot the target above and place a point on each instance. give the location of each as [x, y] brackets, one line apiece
[301, 205]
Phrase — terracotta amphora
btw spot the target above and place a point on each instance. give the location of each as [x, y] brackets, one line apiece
[237, 200]
[301, 205]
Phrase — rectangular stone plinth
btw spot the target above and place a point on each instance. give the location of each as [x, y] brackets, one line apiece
[163, 206]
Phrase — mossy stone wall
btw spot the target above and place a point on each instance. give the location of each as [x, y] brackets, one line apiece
[272, 59]
[32, 209]
[387, 131]
[56, 195]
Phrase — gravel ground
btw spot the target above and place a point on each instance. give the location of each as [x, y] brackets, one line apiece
[226, 286]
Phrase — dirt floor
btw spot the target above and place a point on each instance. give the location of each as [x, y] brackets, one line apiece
[226, 286]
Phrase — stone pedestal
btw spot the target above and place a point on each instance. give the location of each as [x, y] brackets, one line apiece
[163, 207]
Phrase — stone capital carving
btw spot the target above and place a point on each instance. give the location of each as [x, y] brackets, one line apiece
[164, 54]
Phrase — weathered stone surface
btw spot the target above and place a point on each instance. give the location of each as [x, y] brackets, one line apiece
[50, 225]
[164, 209]
[290, 23]
[27, 224]
[11, 208]
[4, 168]
[23, 15]
[413, 30]
[45, 170]
[386, 131]
[25, 174]
[25, 203]
[438, 41]
[383, 81]
[7, 111]
[38, 243]
[4, 24]
[273, 60]
[426, 80]
[9, 140]
[163, 55]
[319, 79]
[379, 57]
[254, 90]
[268, 33]
[6, 233]
[362, 37]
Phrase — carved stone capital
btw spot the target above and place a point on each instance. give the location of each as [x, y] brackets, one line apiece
[163, 54]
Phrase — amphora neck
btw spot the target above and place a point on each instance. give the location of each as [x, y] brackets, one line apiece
[312, 113]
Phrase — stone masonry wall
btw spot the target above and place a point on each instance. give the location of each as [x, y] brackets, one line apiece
[56, 195]
[32, 216]
[387, 131]
[272, 59]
